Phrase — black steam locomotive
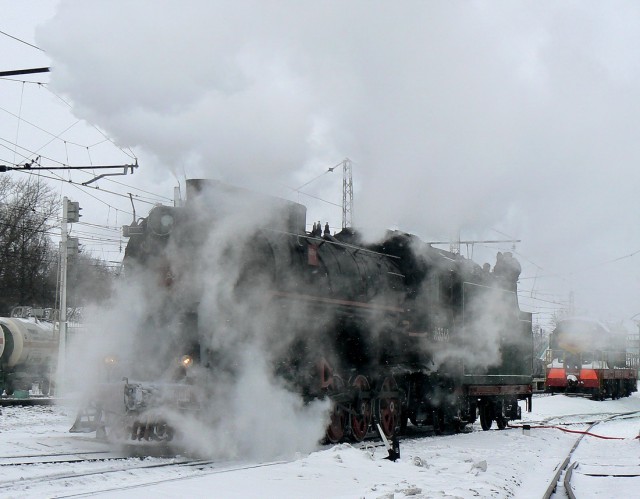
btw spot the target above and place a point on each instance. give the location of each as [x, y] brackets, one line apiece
[389, 332]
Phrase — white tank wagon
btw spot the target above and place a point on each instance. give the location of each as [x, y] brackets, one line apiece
[28, 352]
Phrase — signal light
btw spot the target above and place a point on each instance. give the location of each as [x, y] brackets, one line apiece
[73, 247]
[72, 211]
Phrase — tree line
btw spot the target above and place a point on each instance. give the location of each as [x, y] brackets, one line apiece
[29, 258]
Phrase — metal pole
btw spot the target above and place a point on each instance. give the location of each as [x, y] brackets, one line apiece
[62, 319]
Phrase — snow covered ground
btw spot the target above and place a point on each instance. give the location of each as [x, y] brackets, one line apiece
[493, 464]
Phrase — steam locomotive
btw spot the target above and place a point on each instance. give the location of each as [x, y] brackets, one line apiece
[386, 332]
[585, 357]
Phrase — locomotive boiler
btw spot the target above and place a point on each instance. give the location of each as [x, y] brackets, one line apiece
[584, 356]
[390, 332]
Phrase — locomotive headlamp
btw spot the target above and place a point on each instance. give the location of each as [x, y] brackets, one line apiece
[166, 222]
[110, 360]
[161, 220]
[186, 361]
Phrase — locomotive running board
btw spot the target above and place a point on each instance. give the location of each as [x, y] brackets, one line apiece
[492, 390]
[333, 301]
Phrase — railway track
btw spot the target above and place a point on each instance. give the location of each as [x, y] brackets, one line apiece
[98, 471]
[612, 468]
[57, 458]
[201, 469]
[561, 484]
[32, 475]
[80, 475]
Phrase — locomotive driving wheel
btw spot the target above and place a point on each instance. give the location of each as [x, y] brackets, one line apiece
[388, 406]
[338, 415]
[361, 413]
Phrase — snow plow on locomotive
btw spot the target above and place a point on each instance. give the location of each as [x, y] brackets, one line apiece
[585, 357]
[390, 332]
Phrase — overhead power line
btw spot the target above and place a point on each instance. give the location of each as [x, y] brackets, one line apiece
[107, 138]
[85, 184]
[584, 269]
[22, 41]
[29, 162]
[329, 170]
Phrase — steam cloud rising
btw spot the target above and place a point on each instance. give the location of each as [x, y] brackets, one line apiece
[473, 116]
[248, 411]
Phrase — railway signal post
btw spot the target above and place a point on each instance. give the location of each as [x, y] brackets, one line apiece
[70, 214]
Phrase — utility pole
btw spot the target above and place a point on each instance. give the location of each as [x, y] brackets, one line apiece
[347, 194]
[70, 213]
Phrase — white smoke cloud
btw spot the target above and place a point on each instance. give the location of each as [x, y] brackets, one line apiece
[472, 116]
[244, 410]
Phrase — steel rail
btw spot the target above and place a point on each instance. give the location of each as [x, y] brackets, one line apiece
[566, 482]
[200, 473]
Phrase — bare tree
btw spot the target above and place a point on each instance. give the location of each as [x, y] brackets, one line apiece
[28, 210]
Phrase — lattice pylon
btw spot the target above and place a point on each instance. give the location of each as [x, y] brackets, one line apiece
[347, 194]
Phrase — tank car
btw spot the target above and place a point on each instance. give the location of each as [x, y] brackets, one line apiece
[390, 332]
[28, 351]
[585, 357]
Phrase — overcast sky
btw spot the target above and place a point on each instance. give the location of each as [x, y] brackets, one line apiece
[491, 120]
